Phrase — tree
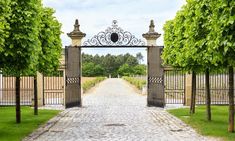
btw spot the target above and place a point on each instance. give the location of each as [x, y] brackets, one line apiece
[90, 70]
[51, 44]
[140, 70]
[125, 70]
[139, 57]
[108, 64]
[221, 42]
[51, 47]
[22, 46]
[132, 61]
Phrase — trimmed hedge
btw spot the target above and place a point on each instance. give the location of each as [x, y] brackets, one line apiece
[135, 81]
[91, 83]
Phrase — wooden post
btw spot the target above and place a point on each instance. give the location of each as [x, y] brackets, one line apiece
[188, 89]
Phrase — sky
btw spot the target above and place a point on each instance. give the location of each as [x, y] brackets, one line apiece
[96, 15]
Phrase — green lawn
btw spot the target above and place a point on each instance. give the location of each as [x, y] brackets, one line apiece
[10, 131]
[217, 127]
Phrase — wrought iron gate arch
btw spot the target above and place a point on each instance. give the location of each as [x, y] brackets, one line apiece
[114, 36]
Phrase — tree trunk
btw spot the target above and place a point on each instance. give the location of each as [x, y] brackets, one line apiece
[208, 96]
[231, 100]
[18, 115]
[35, 96]
[193, 97]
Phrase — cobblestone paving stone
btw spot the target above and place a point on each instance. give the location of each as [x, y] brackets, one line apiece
[114, 112]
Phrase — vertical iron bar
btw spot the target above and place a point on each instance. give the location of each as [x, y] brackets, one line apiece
[35, 96]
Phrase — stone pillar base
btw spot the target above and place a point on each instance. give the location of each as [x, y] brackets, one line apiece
[73, 104]
[151, 103]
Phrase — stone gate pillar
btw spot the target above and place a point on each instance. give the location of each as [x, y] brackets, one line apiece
[155, 70]
[73, 68]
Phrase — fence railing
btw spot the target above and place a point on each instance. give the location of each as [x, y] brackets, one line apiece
[174, 86]
[7, 90]
[219, 86]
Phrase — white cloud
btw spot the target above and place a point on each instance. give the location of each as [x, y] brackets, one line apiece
[97, 15]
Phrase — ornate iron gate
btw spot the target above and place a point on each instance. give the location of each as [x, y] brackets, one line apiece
[174, 82]
[53, 89]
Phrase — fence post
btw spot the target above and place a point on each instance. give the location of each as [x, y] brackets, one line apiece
[1, 81]
[188, 89]
[40, 88]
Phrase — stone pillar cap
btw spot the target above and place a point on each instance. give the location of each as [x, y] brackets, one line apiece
[151, 34]
[76, 32]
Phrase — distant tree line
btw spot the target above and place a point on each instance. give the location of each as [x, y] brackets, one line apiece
[114, 65]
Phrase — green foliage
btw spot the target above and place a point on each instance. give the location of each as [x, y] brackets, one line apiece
[4, 25]
[217, 127]
[135, 81]
[22, 47]
[201, 36]
[29, 38]
[10, 131]
[221, 38]
[91, 70]
[110, 64]
[50, 42]
[91, 83]
[125, 70]
[140, 70]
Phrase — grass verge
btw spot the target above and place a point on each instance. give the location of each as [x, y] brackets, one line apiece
[91, 83]
[10, 131]
[135, 81]
[215, 128]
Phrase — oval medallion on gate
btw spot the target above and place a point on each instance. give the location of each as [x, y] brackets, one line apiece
[114, 37]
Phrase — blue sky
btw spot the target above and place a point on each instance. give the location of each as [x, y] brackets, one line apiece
[96, 15]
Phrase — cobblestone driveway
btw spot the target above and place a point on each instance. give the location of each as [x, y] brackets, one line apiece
[114, 112]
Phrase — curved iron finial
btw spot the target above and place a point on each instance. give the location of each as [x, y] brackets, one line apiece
[114, 36]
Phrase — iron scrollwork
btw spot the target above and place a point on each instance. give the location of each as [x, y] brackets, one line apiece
[114, 36]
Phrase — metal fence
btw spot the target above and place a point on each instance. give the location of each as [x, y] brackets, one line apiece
[219, 87]
[7, 90]
[174, 86]
[53, 89]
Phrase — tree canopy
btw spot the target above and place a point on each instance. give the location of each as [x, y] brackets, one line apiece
[50, 31]
[22, 46]
[201, 36]
[4, 25]
[29, 37]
